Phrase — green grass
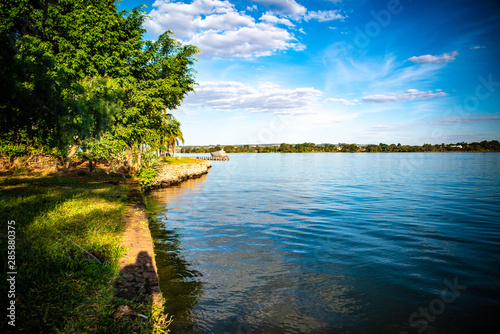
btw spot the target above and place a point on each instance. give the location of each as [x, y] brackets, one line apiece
[182, 160]
[59, 287]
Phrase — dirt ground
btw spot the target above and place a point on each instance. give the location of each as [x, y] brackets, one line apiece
[138, 277]
[48, 165]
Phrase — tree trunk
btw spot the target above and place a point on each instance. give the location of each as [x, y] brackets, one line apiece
[139, 160]
[128, 155]
[72, 152]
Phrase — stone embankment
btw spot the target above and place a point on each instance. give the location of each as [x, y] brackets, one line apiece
[138, 277]
[174, 174]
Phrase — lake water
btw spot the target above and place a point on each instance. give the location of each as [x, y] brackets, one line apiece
[333, 243]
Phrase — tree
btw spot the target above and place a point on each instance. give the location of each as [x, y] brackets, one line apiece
[104, 147]
[284, 148]
[229, 149]
[173, 133]
[373, 148]
[55, 57]
[162, 77]
[77, 69]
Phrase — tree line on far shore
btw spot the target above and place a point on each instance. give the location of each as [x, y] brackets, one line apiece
[484, 146]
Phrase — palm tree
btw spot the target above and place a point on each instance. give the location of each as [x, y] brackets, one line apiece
[173, 134]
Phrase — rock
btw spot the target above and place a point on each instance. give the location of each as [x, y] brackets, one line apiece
[126, 310]
[174, 174]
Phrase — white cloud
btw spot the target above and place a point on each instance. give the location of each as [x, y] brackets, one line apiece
[267, 97]
[444, 58]
[258, 41]
[343, 101]
[267, 17]
[409, 95]
[323, 16]
[186, 19]
[219, 30]
[477, 47]
[285, 7]
[291, 9]
[226, 21]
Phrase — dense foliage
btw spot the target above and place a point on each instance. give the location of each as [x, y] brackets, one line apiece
[484, 146]
[74, 70]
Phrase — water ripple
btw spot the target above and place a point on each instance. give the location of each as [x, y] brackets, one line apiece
[330, 243]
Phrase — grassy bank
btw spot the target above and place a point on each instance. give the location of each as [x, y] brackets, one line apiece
[181, 161]
[59, 222]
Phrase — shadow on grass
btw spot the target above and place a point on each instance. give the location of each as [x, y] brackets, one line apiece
[58, 222]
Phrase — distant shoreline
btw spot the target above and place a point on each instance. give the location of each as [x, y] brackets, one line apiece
[477, 147]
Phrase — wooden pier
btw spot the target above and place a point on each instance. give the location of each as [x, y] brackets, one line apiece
[226, 158]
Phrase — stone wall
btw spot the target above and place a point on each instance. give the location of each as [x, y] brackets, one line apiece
[174, 174]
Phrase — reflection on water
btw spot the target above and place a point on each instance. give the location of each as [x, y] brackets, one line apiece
[333, 243]
[180, 284]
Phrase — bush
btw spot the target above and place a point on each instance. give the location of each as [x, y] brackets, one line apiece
[102, 148]
[149, 160]
[10, 149]
[146, 176]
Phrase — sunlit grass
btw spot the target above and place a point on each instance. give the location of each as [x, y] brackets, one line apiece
[62, 225]
[180, 161]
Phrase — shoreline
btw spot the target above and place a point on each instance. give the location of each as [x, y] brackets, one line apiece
[138, 279]
[138, 274]
[171, 175]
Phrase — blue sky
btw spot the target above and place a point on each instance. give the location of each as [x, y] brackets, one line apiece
[337, 71]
